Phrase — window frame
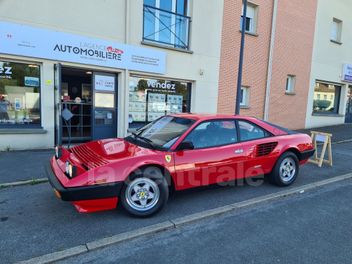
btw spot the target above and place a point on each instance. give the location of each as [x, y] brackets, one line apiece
[27, 126]
[188, 85]
[245, 96]
[254, 19]
[173, 42]
[337, 98]
[339, 24]
[290, 79]
[237, 120]
[187, 133]
[269, 134]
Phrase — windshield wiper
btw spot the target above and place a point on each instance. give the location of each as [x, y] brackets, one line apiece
[147, 140]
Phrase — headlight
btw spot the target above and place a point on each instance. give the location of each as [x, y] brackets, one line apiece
[70, 170]
[58, 152]
[67, 168]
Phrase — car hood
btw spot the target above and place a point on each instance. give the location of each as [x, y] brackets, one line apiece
[109, 150]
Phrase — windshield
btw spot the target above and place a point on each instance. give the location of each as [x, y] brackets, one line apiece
[164, 132]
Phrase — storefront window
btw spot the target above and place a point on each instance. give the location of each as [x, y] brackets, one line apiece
[19, 94]
[150, 99]
[326, 98]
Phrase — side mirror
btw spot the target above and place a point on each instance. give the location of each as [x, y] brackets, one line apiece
[185, 145]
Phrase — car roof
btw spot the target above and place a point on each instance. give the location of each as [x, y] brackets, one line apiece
[275, 130]
[211, 116]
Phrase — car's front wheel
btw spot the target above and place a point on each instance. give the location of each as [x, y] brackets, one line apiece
[285, 170]
[145, 193]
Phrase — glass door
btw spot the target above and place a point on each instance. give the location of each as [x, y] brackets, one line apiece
[105, 110]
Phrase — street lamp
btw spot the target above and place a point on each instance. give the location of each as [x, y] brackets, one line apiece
[240, 64]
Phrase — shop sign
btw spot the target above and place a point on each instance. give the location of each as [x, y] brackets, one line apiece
[17, 104]
[104, 83]
[347, 73]
[31, 81]
[16, 39]
[5, 72]
[165, 85]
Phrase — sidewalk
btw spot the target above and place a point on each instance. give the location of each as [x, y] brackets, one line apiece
[339, 133]
[23, 165]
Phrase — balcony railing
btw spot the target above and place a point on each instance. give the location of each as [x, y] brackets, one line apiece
[166, 28]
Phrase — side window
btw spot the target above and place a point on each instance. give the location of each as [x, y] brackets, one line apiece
[249, 131]
[213, 133]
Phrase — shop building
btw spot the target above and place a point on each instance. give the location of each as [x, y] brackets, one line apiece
[330, 89]
[72, 71]
[297, 61]
[277, 59]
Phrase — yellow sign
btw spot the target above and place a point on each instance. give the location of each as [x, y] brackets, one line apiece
[168, 158]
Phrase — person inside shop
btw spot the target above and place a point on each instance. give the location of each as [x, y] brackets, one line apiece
[4, 104]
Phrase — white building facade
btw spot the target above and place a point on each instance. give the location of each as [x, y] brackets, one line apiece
[73, 71]
[330, 101]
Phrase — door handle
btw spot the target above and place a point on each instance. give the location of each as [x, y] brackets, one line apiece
[238, 151]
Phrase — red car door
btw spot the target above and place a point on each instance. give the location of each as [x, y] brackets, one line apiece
[215, 157]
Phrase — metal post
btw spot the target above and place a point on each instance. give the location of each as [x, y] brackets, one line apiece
[240, 65]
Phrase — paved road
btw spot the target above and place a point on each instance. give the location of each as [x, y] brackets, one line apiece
[311, 228]
[33, 222]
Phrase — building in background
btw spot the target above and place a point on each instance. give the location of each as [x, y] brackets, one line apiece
[115, 65]
[277, 59]
[330, 89]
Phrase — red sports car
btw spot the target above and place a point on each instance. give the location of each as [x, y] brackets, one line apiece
[175, 152]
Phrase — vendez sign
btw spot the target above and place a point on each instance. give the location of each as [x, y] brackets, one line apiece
[16, 39]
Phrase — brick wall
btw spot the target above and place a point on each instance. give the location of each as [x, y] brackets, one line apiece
[292, 55]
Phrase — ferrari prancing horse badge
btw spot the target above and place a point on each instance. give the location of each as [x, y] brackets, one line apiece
[168, 158]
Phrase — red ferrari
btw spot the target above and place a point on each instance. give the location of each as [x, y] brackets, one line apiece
[175, 152]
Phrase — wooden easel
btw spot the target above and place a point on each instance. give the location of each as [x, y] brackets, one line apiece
[324, 138]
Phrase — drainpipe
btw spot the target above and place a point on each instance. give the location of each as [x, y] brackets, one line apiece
[270, 62]
[125, 92]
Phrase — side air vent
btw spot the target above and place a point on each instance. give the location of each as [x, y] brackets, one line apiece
[266, 148]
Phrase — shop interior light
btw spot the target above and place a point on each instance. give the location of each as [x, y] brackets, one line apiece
[89, 72]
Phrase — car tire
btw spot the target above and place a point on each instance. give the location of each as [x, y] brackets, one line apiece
[285, 170]
[145, 192]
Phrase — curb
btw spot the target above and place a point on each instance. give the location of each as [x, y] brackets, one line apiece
[178, 222]
[20, 183]
[342, 141]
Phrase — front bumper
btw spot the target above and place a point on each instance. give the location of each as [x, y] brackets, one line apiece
[93, 192]
[307, 154]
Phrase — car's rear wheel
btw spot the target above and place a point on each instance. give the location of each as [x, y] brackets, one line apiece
[145, 193]
[286, 170]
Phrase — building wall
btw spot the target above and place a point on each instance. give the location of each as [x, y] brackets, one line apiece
[255, 58]
[292, 52]
[294, 35]
[328, 57]
[120, 21]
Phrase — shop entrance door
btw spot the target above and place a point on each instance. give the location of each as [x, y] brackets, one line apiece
[105, 110]
[348, 118]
